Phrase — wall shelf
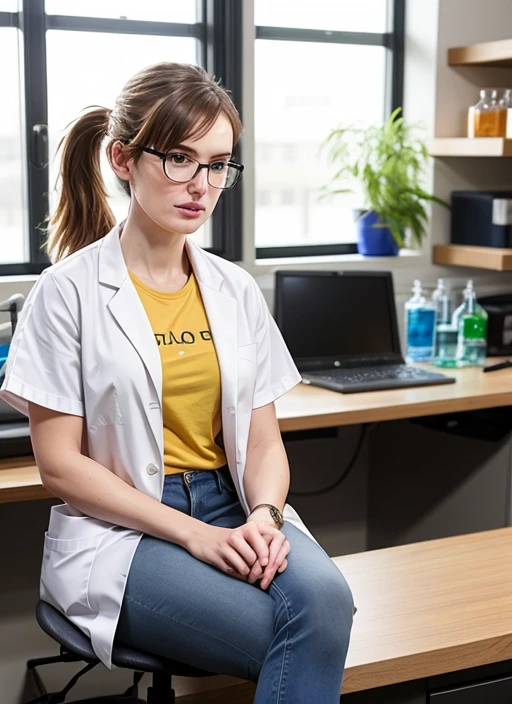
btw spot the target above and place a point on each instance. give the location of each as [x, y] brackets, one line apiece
[497, 53]
[464, 146]
[494, 53]
[493, 258]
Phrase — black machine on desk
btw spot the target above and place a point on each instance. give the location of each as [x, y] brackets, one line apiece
[14, 426]
[341, 330]
[499, 326]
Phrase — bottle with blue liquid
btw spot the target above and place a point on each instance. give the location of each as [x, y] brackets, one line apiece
[420, 323]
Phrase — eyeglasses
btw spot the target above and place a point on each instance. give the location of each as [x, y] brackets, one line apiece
[181, 168]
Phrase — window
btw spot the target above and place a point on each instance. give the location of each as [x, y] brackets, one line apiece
[332, 15]
[317, 64]
[80, 53]
[288, 197]
[87, 83]
[13, 245]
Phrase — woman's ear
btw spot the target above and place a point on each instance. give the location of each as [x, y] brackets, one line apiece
[120, 162]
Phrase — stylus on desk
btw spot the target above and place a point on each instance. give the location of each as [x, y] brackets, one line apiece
[500, 365]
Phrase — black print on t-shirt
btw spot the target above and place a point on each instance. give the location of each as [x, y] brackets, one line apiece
[187, 337]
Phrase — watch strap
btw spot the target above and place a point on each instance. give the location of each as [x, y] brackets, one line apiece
[274, 512]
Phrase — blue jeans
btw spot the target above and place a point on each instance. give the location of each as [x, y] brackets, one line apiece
[291, 639]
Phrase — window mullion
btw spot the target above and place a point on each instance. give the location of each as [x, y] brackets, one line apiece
[223, 59]
[293, 34]
[33, 28]
[398, 55]
[120, 26]
[8, 19]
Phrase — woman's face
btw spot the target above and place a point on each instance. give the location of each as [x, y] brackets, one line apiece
[180, 208]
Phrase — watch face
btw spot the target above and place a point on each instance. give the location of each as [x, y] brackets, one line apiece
[277, 515]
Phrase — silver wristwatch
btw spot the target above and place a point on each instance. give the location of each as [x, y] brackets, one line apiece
[274, 512]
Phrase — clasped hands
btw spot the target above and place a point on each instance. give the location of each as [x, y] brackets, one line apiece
[264, 552]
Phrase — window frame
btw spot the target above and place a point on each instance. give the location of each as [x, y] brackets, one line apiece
[394, 40]
[219, 30]
[219, 52]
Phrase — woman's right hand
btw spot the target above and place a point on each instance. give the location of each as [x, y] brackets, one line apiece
[235, 550]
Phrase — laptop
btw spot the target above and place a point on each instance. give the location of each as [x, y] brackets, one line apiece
[341, 330]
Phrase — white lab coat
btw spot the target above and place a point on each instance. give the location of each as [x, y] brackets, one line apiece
[84, 346]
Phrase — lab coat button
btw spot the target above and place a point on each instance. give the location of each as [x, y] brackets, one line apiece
[231, 410]
[151, 468]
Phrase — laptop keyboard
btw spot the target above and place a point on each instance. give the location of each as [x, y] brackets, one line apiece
[369, 374]
[391, 371]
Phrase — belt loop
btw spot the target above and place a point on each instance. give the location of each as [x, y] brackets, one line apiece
[218, 480]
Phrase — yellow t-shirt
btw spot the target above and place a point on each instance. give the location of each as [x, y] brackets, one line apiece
[191, 392]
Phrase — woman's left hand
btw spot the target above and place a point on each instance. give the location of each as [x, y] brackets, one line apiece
[279, 547]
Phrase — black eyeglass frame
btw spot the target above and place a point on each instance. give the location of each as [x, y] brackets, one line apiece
[163, 156]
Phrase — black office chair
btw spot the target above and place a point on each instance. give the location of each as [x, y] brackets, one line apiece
[76, 647]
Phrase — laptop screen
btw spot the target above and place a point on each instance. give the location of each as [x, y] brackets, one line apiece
[336, 315]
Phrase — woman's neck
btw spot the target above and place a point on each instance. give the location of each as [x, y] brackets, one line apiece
[159, 259]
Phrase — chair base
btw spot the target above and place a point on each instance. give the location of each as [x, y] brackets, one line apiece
[162, 694]
[114, 699]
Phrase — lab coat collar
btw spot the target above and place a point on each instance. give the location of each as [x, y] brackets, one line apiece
[113, 270]
[221, 310]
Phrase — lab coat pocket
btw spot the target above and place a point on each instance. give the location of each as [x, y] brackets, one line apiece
[70, 547]
[65, 572]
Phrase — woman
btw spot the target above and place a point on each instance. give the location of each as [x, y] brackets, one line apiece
[149, 370]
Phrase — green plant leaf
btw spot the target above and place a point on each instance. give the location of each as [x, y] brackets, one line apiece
[388, 161]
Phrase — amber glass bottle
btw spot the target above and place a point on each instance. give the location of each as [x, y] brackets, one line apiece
[487, 114]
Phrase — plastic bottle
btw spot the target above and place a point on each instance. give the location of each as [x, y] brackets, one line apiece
[420, 320]
[445, 339]
[471, 322]
[459, 310]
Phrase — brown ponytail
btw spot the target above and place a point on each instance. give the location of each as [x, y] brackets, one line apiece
[82, 214]
[160, 106]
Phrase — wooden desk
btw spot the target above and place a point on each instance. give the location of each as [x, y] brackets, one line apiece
[20, 480]
[429, 608]
[306, 407]
[424, 609]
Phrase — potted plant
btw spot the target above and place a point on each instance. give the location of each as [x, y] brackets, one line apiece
[388, 162]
